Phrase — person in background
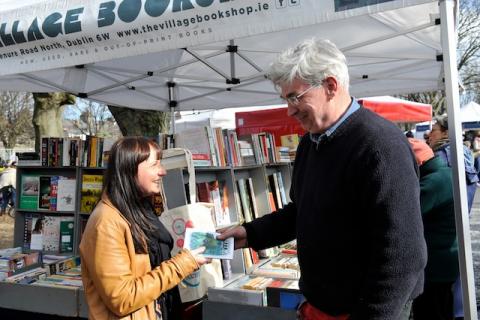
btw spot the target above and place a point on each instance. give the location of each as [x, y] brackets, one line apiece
[440, 143]
[438, 213]
[425, 137]
[355, 207]
[8, 180]
[127, 270]
[409, 134]
[476, 153]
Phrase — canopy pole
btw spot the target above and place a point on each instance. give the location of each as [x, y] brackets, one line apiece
[172, 103]
[232, 49]
[448, 38]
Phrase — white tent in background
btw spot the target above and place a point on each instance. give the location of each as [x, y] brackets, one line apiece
[470, 116]
[183, 55]
[470, 112]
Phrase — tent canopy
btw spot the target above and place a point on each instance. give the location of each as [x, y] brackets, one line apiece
[213, 54]
[207, 54]
[398, 110]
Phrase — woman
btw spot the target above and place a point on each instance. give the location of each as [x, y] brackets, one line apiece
[438, 215]
[127, 271]
[438, 141]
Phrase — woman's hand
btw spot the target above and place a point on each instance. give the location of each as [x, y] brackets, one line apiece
[197, 254]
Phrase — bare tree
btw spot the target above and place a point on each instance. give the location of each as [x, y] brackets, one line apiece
[92, 118]
[15, 118]
[468, 62]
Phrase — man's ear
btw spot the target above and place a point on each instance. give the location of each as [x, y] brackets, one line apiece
[331, 84]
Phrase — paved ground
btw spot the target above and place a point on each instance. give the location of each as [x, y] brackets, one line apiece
[475, 237]
[6, 231]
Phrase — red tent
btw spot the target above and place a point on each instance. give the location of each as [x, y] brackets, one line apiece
[277, 122]
[398, 110]
[274, 121]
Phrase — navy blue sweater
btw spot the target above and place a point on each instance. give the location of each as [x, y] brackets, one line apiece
[355, 212]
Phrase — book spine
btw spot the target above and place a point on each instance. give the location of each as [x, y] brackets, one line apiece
[226, 269]
[44, 152]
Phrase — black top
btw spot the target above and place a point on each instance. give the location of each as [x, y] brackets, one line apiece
[355, 212]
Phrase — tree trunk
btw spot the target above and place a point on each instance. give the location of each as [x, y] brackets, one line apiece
[48, 114]
[134, 122]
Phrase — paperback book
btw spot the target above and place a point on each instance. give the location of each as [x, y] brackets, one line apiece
[216, 249]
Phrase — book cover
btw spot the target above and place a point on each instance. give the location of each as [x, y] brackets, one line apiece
[281, 186]
[245, 201]
[53, 192]
[66, 236]
[44, 152]
[51, 232]
[226, 269]
[92, 185]
[290, 140]
[66, 194]
[216, 249]
[36, 238]
[253, 198]
[223, 217]
[196, 140]
[273, 180]
[44, 193]
[33, 223]
[29, 192]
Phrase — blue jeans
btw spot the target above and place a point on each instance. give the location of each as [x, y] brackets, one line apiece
[471, 188]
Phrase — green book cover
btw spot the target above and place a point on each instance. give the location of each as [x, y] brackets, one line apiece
[66, 236]
[30, 186]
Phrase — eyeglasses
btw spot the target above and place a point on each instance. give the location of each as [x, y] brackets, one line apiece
[294, 100]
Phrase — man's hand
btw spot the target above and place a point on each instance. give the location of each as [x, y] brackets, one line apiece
[238, 233]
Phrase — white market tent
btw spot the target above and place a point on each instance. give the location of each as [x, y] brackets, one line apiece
[218, 63]
[203, 54]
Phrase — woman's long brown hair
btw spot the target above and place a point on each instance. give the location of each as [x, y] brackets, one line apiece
[122, 188]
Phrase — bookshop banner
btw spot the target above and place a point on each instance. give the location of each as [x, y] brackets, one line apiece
[39, 35]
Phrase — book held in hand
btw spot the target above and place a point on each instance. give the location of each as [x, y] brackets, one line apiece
[216, 249]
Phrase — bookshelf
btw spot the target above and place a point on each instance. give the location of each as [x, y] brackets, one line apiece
[71, 302]
[31, 184]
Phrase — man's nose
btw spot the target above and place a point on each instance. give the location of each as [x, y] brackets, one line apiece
[291, 110]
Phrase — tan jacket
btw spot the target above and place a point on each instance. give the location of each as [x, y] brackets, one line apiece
[120, 284]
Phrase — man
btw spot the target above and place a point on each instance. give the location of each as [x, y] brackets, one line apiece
[436, 199]
[355, 208]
